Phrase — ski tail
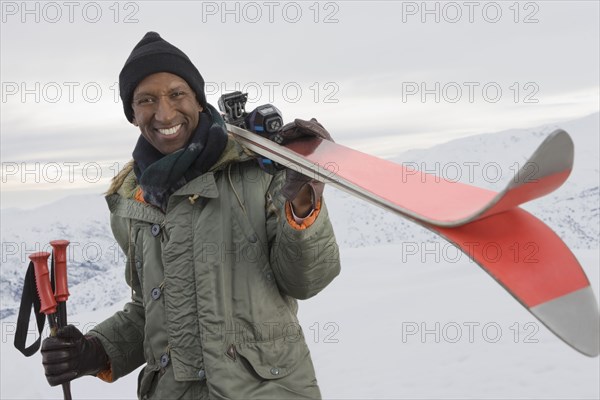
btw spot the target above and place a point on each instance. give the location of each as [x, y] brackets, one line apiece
[545, 171]
[537, 268]
[573, 318]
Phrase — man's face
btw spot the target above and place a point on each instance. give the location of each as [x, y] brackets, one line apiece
[166, 110]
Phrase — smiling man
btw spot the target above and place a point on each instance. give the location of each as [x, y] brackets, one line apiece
[218, 251]
[166, 111]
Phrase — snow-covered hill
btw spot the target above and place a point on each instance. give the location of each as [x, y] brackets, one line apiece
[95, 262]
[487, 160]
[405, 319]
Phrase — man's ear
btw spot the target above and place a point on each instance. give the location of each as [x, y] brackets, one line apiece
[134, 122]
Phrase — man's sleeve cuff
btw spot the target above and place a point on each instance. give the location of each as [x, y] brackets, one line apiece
[301, 223]
[106, 375]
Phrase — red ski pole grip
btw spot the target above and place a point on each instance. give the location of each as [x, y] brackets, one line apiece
[60, 269]
[42, 282]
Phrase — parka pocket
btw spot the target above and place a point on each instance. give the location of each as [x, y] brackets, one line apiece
[274, 359]
[278, 369]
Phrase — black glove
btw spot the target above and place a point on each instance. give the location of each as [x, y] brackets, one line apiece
[69, 355]
[295, 180]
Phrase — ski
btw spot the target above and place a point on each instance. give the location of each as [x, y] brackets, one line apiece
[420, 196]
[537, 268]
[514, 247]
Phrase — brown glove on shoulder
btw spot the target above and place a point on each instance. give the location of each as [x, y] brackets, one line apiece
[295, 180]
[70, 354]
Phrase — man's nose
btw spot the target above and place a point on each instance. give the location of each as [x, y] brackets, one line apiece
[165, 111]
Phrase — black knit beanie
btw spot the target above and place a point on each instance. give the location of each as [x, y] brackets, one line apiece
[151, 55]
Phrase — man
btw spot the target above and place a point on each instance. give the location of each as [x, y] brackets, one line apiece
[217, 251]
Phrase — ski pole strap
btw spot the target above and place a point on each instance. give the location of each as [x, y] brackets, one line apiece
[29, 298]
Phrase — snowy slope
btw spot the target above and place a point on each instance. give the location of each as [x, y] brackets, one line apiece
[427, 328]
[95, 261]
[372, 334]
[398, 281]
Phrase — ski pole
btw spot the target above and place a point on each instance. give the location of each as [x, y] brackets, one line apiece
[61, 292]
[48, 304]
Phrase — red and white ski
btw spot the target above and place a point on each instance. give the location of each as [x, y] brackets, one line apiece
[489, 227]
[425, 197]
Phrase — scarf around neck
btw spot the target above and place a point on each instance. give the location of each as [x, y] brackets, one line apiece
[160, 175]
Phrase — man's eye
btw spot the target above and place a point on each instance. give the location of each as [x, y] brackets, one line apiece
[144, 100]
[178, 94]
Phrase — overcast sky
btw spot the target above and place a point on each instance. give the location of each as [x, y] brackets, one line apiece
[381, 76]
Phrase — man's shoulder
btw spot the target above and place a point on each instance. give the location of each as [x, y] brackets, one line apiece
[233, 153]
[124, 183]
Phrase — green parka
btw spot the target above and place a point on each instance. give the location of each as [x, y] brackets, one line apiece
[214, 286]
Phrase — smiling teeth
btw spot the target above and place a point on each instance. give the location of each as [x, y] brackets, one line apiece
[169, 131]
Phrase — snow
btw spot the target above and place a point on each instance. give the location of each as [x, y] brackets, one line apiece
[397, 323]
[365, 333]
[387, 314]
